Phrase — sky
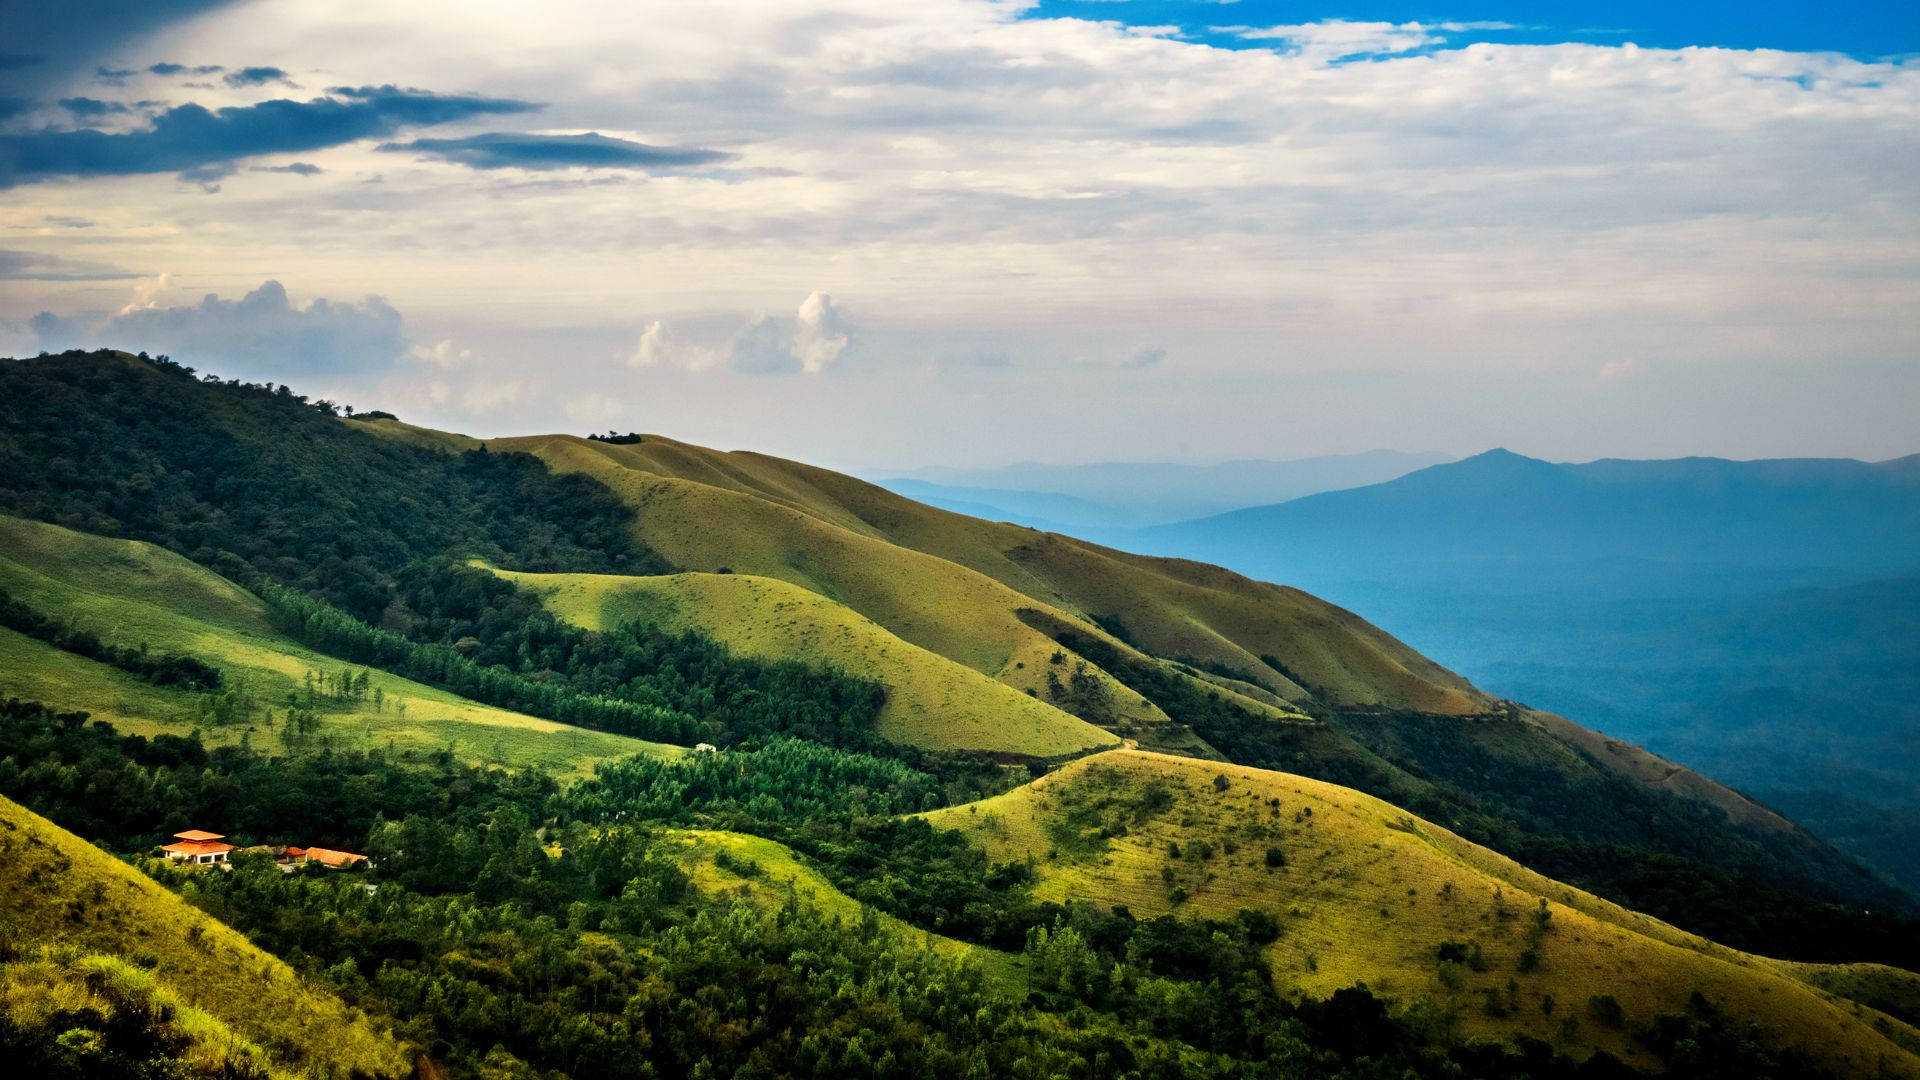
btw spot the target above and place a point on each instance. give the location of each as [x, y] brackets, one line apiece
[878, 235]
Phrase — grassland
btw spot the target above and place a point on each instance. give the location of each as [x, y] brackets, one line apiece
[86, 927]
[767, 873]
[1169, 607]
[1366, 892]
[131, 593]
[995, 597]
[932, 702]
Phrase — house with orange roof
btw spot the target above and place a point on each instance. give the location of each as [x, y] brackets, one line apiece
[327, 857]
[198, 847]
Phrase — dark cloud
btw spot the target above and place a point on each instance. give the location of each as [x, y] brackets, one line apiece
[91, 107]
[166, 68]
[591, 150]
[192, 137]
[38, 266]
[260, 334]
[297, 168]
[66, 38]
[11, 107]
[255, 76]
[115, 76]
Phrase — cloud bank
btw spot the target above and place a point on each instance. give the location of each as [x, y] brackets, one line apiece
[261, 334]
[190, 137]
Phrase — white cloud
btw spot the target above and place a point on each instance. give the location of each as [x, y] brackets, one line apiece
[261, 334]
[820, 333]
[1338, 39]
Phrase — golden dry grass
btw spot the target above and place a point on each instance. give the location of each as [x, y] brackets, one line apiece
[1368, 893]
[74, 901]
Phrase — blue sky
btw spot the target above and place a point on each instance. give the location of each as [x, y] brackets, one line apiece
[878, 234]
[1861, 30]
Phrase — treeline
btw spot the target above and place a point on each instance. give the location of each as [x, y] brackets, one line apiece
[129, 792]
[337, 633]
[469, 631]
[161, 669]
[735, 698]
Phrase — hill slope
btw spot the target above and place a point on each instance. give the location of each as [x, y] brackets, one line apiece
[931, 701]
[811, 526]
[97, 916]
[1365, 892]
[132, 594]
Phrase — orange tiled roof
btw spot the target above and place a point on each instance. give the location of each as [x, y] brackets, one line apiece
[199, 834]
[329, 857]
[198, 847]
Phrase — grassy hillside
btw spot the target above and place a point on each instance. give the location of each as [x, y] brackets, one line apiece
[86, 930]
[932, 702]
[1365, 892]
[925, 600]
[1167, 607]
[131, 593]
[767, 873]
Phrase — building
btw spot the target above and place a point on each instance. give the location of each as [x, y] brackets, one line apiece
[198, 847]
[327, 857]
[705, 748]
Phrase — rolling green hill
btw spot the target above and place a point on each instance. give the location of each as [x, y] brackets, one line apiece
[1365, 892]
[86, 931]
[931, 701]
[984, 637]
[133, 594]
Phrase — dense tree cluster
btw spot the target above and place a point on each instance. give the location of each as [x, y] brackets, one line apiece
[520, 928]
[471, 632]
[255, 480]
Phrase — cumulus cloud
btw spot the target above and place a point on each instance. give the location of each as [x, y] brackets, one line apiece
[191, 137]
[820, 333]
[591, 150]
[262, 333]
[809, 341]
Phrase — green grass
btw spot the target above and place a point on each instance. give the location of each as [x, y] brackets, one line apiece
[1368, 893]
[76, 914]
[776, 874]
[131, 593]
[1169, 607]
[931, 702]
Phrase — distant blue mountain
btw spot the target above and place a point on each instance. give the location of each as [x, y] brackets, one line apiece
[1757, 620]
[1121, 494]
[1502, 513]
